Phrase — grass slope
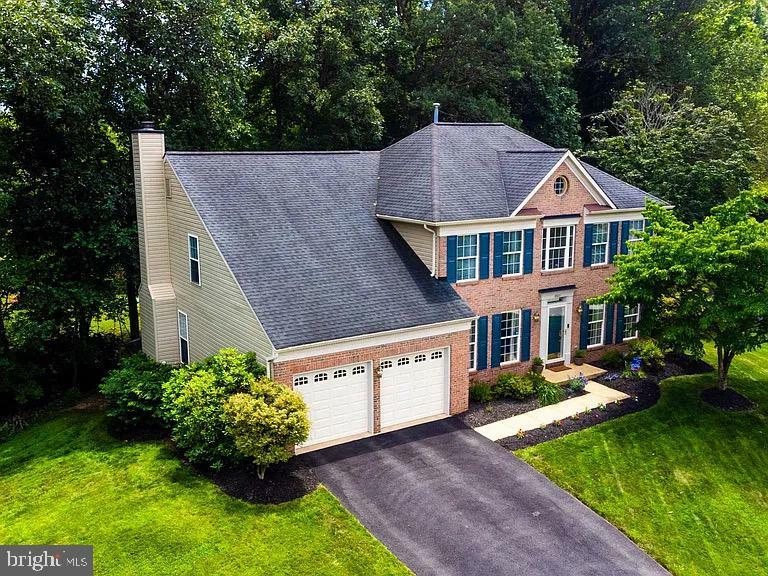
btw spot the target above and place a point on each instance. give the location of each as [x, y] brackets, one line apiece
[68, 482]
[687, 482]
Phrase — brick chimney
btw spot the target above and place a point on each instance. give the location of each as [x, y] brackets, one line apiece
[159, 334]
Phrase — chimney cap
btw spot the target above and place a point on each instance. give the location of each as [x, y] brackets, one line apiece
[147, 126]
[436, 112]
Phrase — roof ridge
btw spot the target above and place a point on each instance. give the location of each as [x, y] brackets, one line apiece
[537, 151]
[261, 152]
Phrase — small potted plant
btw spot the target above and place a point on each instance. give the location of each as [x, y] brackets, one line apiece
[579, 356]
[538, 365]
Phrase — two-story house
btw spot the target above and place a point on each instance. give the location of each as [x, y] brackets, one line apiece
[377, 284]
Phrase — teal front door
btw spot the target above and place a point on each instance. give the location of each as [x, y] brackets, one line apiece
[555, 334]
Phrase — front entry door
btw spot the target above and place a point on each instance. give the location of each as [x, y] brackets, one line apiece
[555, 333]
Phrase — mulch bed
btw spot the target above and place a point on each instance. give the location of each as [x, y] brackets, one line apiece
[643, 393]
[480, 414]
[282, 483]
[727, 399]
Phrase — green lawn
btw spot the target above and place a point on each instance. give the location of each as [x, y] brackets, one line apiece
[68, 482]
[685, 481]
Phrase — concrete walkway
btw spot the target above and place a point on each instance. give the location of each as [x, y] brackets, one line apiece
[596, 395]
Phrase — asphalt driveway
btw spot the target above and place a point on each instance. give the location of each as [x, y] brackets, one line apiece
[448, 501]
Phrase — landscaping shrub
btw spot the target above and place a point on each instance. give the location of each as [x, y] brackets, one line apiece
[613, 360]
[266, 422]
[649, 352]
[577, 384]
[134, 391]
[549, 392]
[480, 392]
[513, 386]
[193, 405]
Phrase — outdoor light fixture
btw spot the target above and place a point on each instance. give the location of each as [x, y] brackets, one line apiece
[579, 309]
[536, 316]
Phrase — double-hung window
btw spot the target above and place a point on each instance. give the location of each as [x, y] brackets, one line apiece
[512, 254]
[600, 233]
[557, 248]
[473, 345]
[510, 337]
[194, 259]
[596, 325]
[183, 338]
[631, 318]
[466, 257]
[635, 227]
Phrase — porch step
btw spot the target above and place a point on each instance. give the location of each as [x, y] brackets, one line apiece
[587, 370]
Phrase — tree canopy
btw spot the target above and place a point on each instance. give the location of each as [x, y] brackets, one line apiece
[702, 282]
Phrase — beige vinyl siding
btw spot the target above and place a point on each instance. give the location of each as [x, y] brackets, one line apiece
[419, 239]
[219, 315]
[165, 331]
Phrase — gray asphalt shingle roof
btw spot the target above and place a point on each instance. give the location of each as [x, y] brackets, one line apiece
[453, 171]
[299, 232]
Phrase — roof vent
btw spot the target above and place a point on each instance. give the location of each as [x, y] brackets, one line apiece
[147, 125]
[436, 113]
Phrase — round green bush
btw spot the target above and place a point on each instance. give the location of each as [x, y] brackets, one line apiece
[549, 393]
[648, 351]
[513, 386]
[480, 392]
[266, 422]
[134, 391]
[193, 405]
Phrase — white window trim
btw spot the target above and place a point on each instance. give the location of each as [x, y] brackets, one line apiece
[624, 327]
[633, 238]
[522, 253]
[607, 244]
[191, 259]
[602, 328]
[476, 257]
[546, 238]
[519, 313]
[473, 347]
[179, 313]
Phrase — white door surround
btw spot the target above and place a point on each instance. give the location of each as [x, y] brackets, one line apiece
[556, 303]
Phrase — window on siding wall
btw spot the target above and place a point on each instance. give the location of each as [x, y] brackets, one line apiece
[557, 248]
[596, 324]
[631, 318]
[634, 226]
[473, 345]
[512, 255]
[600, 234]
[510, 336]
[194, 259]
[466, 257]
[183, 338]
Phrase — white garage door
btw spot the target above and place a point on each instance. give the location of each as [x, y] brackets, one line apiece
[414, 386]
[338, 400]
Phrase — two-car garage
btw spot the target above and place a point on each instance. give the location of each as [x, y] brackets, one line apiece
[340, 399]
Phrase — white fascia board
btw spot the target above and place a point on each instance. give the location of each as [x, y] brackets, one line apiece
[553, 222]
[505, 225]
[614, 216]
[371, 340]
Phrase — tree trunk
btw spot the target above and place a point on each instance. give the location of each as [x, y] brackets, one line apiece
[724, 359]
[133, 308]
[261, 470]
[4, 345]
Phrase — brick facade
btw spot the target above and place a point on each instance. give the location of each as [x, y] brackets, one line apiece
[496, 295]
[459, 360]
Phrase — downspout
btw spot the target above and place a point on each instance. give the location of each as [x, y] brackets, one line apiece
[270, 362]
[434, 250]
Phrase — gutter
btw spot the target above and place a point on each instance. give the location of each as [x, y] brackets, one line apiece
[434, 249]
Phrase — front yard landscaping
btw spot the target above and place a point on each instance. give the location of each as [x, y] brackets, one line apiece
[68, 481]
[685, 480]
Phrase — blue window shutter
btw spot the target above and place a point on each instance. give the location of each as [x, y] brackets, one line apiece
[498, 250]
[610, 309]
[482, 343]
[619, 323]
[614, 240]
[648, 226]
[624, 236]
[496, 341]
[525, 335]
[451, 268]
[528, 251]
[584, 327]
[588, 245]
[485, 246]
